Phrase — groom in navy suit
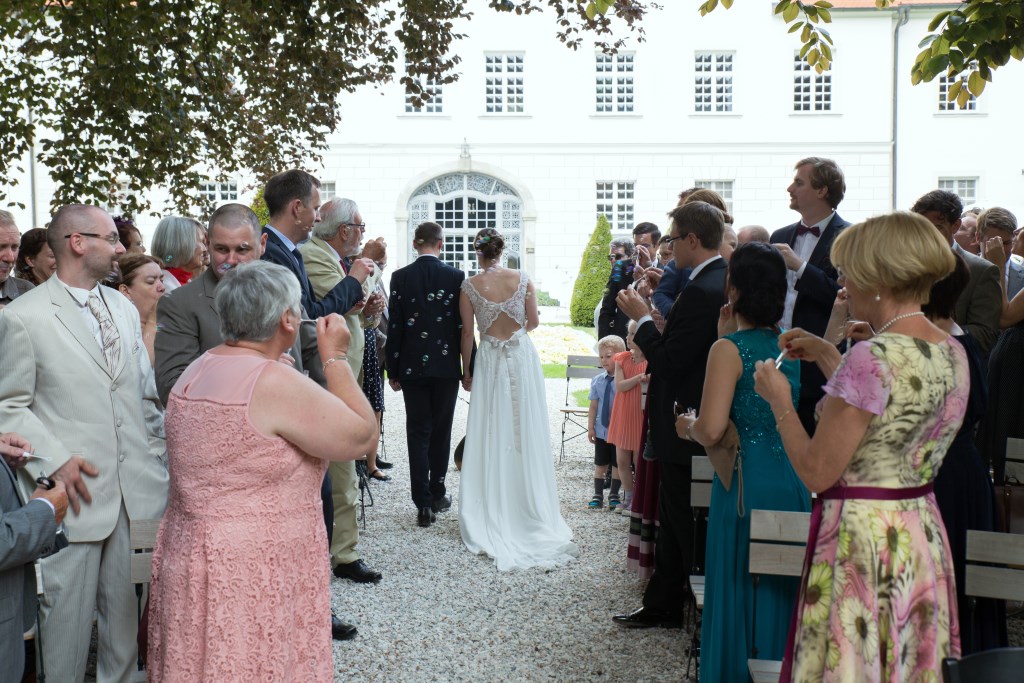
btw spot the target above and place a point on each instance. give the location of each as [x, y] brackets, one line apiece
[423, 362]
[817, 188]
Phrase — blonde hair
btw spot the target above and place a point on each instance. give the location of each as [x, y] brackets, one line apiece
[612, 341]
[900, 252]
[711, 197]
[996, 218]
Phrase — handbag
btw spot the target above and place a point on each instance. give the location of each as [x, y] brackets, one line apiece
[725, 458]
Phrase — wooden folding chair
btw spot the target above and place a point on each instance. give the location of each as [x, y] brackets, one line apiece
[701, 475]
[576, 367]
[142, 539]
[778, 541]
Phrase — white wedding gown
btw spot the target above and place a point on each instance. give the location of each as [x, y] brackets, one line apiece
[508, 503]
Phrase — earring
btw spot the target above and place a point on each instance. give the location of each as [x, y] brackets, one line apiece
[878, 296]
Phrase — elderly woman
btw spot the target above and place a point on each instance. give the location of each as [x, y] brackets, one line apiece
[35, 258]
[241, 582]
[878, 600]
[178, 244]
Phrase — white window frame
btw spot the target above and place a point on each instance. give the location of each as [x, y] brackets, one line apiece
[818, 96]
[504, 83]
[952, 107]
[616, 201]
[965, 187]
[724, 188]
[432, 93]
[614, 88]
[713, 72]
[218, 192]
[328, 190]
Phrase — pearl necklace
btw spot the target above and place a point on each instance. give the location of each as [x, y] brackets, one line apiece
[895, 320]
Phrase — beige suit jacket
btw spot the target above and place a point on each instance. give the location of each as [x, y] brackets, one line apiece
[978, 308]
[56, 391]
[325, 272]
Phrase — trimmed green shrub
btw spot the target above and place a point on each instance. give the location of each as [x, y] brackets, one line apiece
[545, 299]
[259, 207]
[594, 273]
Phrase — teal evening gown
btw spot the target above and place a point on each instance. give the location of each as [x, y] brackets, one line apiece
[769, 483]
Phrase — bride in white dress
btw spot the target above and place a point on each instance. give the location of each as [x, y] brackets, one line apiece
[508, 503]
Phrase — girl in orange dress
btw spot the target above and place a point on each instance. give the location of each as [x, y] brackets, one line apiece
[627, 415]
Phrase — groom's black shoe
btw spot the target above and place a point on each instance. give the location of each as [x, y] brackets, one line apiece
[384, 465]
[443, 503]
[340, 630]
[648, 618]
[426, 517]
[358, 571]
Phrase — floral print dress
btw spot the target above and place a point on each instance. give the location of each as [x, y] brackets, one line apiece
[879, 603]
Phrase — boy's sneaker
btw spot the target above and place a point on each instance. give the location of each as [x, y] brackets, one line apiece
[596, 502]
[613, 502]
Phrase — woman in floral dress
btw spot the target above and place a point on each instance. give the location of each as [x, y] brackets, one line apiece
[878, 596]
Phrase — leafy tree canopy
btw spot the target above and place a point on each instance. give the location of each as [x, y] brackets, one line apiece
[119, 97]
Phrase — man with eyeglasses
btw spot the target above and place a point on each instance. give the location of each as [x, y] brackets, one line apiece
[73, 387]
[610, 320]
[331, 255]
[997, 225]
[10, 239]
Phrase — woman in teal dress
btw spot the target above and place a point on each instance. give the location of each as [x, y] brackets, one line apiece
[757, 293]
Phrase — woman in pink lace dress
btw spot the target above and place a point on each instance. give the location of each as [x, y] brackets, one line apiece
[241, 581]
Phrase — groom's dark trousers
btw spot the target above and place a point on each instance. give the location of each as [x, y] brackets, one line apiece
[429, 410]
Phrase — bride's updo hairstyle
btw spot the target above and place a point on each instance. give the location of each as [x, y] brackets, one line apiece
[758, 273]
[489, 244]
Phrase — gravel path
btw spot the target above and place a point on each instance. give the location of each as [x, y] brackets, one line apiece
[442, 614]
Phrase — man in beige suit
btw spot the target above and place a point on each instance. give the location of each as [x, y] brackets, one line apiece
[336, 238]
[74, 390]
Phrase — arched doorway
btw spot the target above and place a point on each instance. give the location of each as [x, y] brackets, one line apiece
[463, 204]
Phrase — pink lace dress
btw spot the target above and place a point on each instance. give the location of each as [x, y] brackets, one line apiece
[241, 589]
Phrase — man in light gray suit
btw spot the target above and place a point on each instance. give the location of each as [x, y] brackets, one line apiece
[74, 390]
[998, 223]
[27, 532]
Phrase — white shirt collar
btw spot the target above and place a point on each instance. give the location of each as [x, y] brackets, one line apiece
[81, 296]
[287, 242]
[696, 271]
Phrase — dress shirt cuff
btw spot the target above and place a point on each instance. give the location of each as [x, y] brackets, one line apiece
[800, 270]
[52, 508]
[643, 320]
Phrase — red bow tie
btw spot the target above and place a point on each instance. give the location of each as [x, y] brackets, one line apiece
[803, 230]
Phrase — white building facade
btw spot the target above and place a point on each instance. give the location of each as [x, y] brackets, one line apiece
[538, 140]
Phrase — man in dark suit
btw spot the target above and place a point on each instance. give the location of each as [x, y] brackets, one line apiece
[817, 189]
[610, 320]
[423, 362]
[677, 360]
[28, 533]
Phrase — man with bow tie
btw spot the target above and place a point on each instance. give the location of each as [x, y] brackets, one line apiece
[817, 188]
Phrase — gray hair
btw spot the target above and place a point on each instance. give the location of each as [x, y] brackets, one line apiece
[334, 214]
[7, 219]
[174, 241]
[251, 299]
[625, 242]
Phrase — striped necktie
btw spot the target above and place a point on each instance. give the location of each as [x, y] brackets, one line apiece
[109, 337]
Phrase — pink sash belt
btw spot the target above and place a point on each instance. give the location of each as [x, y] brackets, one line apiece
[836, 493]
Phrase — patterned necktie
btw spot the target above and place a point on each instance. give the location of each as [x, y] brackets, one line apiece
[606, 405]
[108, 331]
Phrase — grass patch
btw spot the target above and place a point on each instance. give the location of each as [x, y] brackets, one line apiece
[582, 398]
[554, 370]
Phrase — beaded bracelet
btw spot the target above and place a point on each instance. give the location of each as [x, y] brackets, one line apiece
[778, 421]
[331, 360]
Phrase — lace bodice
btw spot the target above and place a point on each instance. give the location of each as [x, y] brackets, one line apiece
[487, 311]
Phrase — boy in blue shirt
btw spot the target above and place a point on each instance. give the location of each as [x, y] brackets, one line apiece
[602, 394]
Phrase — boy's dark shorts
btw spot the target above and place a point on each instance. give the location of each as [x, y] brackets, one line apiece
[604, 453]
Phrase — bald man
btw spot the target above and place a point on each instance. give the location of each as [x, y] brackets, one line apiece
[73, 388]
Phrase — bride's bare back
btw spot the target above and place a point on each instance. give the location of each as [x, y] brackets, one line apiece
[503, 302]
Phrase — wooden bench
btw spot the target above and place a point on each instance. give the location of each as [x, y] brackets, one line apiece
[576, 367]
[701, 475]
[778, 542]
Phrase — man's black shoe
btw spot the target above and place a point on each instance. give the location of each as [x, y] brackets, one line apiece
[647, 618]
[384, 465]
[442, 504]
[425, 517]
[340, 630]
[358, 571]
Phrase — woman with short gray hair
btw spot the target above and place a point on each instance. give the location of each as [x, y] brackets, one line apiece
[248, 439]
[178, 245]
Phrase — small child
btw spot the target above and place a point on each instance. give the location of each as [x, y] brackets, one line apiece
[602, 396]
[627, 415]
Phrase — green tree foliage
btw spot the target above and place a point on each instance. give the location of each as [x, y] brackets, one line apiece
[594, 273]
[966, 44]
[259, 207]
[120, 97]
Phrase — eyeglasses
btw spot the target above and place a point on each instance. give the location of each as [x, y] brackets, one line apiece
[109, 239]
[360, 226]
[616, 257]
[670, 240]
